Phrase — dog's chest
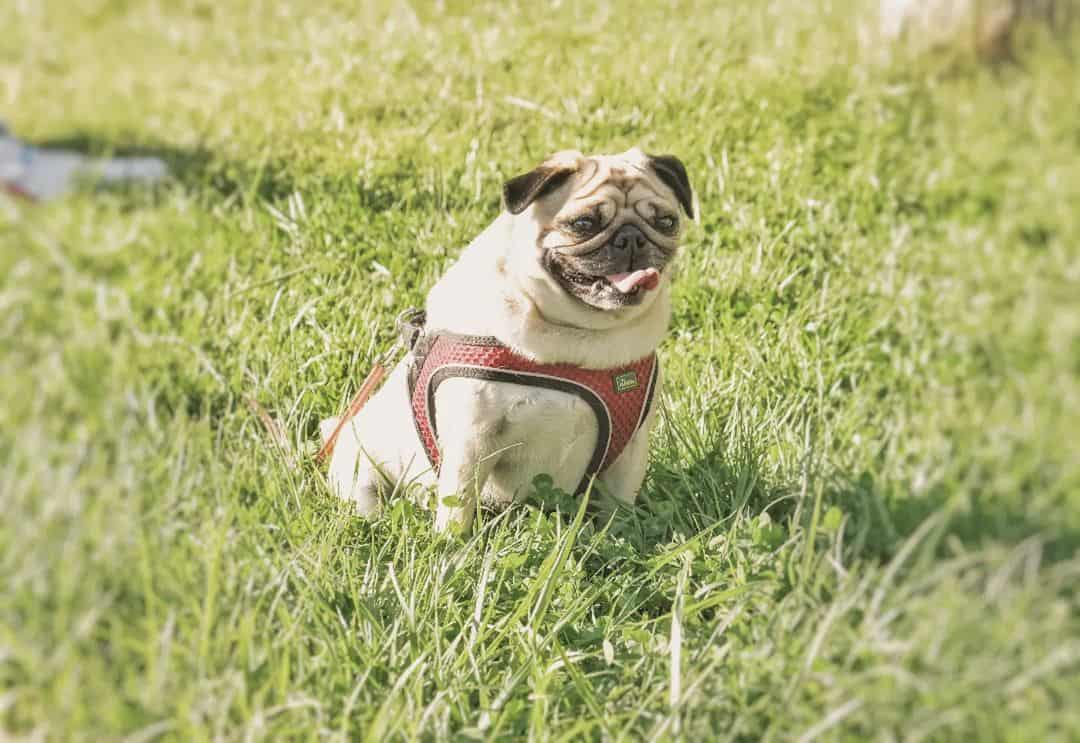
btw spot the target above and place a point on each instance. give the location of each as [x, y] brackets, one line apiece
[527, 430]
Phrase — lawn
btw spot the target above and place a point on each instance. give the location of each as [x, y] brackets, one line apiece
[862, 514]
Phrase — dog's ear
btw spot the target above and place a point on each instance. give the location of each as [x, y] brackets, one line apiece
[522, 190]
[673, 173]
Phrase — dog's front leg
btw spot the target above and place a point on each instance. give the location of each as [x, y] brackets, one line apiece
[469, 419]
[624, 477]
[462, 475]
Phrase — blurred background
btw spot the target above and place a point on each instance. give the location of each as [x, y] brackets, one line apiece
[863, 510]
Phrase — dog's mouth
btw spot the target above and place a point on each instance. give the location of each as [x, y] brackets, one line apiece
[644, 279]
[607, 291]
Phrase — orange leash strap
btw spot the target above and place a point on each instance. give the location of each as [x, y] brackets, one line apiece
[366, 389]
[410, 324]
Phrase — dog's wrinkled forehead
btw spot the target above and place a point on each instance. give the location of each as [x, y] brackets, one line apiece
[626, 177]
[622, 180]
[624, 164]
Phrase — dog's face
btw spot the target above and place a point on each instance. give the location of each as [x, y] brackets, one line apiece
[605, 228]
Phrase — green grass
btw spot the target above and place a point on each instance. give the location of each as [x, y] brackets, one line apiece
[862, 517]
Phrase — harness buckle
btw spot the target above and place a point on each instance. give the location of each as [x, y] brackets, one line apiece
[410, 326]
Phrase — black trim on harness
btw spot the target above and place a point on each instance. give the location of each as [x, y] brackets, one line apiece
[603, 419]
[653, 379]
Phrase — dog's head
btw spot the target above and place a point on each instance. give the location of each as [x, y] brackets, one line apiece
[603, 229]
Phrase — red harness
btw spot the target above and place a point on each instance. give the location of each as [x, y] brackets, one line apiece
[620, 397]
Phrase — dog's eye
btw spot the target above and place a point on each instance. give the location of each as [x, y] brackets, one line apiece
[666, 223]
[583, 224]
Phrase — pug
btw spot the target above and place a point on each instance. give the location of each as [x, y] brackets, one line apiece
[537, 350]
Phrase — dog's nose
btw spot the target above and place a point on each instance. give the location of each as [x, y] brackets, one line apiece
[628, 237]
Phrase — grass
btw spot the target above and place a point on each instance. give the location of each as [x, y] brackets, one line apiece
[862, 517]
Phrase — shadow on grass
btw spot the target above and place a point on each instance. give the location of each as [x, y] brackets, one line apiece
[712, 491]
[973, 519]
[194, 167]
[404, 185]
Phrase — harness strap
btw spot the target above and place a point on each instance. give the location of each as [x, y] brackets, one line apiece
[620, 398]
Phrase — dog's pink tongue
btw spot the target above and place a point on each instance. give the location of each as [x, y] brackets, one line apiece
[646, 278]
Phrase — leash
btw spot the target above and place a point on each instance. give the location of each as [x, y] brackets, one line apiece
[410, 326]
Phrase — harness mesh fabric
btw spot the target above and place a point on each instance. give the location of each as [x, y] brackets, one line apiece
[620, 397]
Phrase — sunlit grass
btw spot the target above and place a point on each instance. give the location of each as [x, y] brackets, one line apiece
[863, 509]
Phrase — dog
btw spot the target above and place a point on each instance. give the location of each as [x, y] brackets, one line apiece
[537, 350]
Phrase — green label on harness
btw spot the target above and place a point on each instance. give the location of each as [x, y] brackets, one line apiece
[626, 381]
